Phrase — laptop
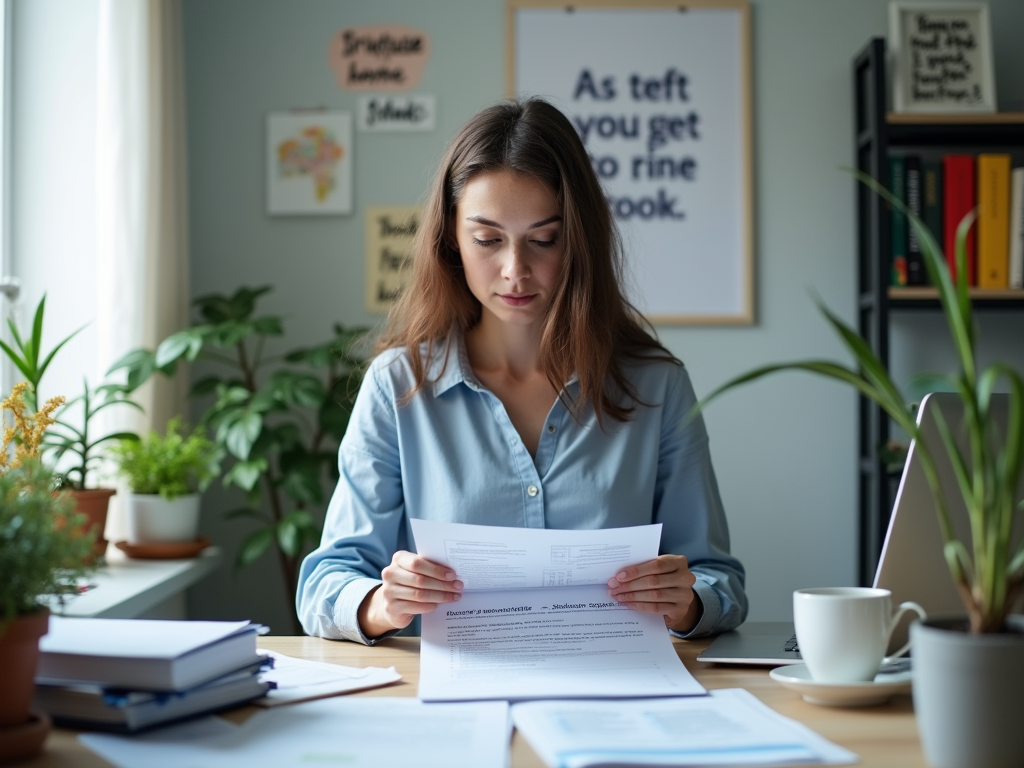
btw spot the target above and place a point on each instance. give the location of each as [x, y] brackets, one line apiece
[911, 566]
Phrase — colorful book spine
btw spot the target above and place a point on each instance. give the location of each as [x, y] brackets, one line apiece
[1017, 228]
[898, 222]
[916, 272]
[993, 221]
[957, 202]
[931, 195]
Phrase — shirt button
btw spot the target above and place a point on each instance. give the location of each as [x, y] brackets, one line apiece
[532, 491]
[551, 429]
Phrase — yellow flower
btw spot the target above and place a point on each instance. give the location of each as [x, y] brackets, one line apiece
[27, 431]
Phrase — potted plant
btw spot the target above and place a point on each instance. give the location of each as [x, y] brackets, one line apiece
[166, 474]
[968, 671]
[75, 441]
[27, 356]
[279, 418]
[42, 552]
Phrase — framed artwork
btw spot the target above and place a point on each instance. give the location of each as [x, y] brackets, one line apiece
[309, 163]
[940, 57]
[660, 95]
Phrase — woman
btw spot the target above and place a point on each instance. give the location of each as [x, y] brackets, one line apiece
[517, 387]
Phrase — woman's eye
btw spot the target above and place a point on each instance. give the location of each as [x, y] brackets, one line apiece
[546, 243]
[485, 243]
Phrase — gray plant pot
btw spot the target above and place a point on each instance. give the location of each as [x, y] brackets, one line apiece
[969, 694]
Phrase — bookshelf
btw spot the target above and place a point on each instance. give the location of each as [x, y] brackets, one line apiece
[877, 132]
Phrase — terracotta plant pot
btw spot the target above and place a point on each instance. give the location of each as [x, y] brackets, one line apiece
[967, 693]
[93, 503]
[22, 732]
[19, 649]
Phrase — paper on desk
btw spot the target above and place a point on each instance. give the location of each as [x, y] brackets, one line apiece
[356, 733]
[301, 679]
[727, 727]
[493, 557]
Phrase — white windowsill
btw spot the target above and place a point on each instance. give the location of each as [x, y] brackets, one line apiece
[132, 589]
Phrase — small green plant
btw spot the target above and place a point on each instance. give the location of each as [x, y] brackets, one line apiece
[279, 417]
[173, 464]
[988, 570]
[77, 441]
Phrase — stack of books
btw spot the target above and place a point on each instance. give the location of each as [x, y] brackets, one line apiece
[130, 674]
[942, 190]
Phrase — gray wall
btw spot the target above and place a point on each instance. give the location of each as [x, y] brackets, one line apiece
[784, 449]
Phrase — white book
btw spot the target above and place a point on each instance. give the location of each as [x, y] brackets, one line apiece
[1017, 228]
[143, 654]
[95, 707]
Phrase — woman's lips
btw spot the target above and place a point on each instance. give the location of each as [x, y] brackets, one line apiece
[517, 299]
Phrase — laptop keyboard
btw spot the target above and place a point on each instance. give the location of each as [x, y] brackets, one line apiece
[791, 646]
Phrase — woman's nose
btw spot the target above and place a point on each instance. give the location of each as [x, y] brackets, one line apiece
[516, 266]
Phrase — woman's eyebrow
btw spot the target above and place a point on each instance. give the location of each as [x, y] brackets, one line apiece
[488, 223]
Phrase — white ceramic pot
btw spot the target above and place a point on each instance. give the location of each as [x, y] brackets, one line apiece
[152, 518]
[967, 694]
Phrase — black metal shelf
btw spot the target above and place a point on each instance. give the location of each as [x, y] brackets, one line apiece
[876, 132]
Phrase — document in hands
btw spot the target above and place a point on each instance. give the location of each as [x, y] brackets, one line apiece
[535, 619]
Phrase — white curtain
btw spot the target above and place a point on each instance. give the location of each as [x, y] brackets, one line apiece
[141, 212]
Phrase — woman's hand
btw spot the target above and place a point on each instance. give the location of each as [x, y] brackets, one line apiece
[412, 585]
[663, 585]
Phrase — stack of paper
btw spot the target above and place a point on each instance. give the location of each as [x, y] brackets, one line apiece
[122, 674]
[726, 727]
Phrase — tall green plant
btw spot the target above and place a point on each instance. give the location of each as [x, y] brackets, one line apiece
[27, 353]
[988, 571]
[279, 417]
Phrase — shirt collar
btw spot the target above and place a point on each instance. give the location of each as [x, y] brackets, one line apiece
[455, 360]
[457, 369]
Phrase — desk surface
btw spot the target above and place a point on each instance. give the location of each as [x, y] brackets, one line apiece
[882, 736]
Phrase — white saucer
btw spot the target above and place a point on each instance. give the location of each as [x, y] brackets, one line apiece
[878, 691]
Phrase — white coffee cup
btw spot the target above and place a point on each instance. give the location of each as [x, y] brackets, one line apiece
[843, 632]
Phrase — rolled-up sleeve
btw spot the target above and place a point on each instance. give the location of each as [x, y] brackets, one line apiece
[364, 525]
[689, 507]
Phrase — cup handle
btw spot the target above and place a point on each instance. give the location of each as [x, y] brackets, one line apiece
[903, 608]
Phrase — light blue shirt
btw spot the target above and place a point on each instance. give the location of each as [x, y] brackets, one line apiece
[451, 453]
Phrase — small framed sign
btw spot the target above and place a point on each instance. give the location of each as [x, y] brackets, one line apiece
[941, 58]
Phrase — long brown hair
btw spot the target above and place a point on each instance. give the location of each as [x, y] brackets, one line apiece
[590, 328]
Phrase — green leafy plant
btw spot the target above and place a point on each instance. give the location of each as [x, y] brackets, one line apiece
[28, 349]
[280, 418]
[173, 464]
[42, 546]
[76, 439]
[989, 573]
[42, 549]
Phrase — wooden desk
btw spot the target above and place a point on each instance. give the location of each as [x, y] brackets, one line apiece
[882, 736]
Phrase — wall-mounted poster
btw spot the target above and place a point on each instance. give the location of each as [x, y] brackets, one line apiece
[309, 163]
[660, 95]
[389, 235]
[382, 57]
[941, 58]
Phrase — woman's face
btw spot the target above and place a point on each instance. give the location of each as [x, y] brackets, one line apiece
[509, 231]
